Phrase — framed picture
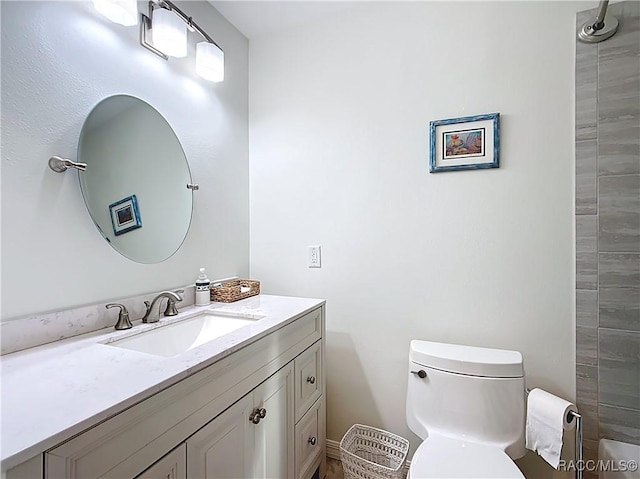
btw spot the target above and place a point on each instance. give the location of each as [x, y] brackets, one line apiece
[468, 143]
[125, 215]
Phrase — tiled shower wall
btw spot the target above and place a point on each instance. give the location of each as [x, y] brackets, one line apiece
[608, 231]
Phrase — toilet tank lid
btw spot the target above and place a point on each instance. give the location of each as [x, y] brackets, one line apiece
[471, 360]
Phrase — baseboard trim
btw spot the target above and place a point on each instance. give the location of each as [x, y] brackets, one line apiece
[333, 452]
[333, 449]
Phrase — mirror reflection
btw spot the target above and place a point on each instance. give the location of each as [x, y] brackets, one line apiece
[135, 185]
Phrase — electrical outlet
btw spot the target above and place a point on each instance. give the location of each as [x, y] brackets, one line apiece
[314, 257]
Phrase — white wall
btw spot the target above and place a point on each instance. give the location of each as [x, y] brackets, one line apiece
[58, 60]
[339, 117]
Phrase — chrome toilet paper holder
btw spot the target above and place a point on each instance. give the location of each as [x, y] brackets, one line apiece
[572, 415]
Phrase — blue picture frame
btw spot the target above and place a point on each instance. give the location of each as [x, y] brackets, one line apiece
[467, 143]
[125, 215]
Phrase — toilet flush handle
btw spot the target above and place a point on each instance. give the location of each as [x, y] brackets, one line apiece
[421, 374]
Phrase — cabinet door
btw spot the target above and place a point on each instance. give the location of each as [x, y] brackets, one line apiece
[224, 448]
[274, 434]
[171, 466]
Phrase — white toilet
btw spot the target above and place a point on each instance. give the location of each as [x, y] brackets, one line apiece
[468, 406]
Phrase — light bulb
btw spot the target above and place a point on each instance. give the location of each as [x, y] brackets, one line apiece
[209, 62]
[169, 33]
[124, 12]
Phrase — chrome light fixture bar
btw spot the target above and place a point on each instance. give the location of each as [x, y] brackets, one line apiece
[209, 55]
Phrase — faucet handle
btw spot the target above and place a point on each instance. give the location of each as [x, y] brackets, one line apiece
[171, 304]
[123, 317]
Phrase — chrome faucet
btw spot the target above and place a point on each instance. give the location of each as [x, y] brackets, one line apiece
[165, 294]
[171, 304]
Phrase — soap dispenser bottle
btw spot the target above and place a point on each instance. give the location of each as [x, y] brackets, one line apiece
[203, 294]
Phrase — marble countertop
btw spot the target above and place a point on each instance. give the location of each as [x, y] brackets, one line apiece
[54, 391]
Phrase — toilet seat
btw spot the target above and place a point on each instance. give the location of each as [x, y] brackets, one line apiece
[444, 457]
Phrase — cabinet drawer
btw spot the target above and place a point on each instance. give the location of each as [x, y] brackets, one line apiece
[308, 382]
[310, 440]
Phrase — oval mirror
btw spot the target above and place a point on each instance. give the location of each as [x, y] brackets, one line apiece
[135, 185]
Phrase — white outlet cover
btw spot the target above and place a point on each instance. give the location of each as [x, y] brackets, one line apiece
[315, 260]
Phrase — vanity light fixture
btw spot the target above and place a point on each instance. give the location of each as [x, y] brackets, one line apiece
[210, 61]
[168, 31]
[124, 12]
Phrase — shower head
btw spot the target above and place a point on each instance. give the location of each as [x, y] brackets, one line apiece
[599, 28]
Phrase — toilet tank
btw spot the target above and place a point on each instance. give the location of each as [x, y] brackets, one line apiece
[469, 393]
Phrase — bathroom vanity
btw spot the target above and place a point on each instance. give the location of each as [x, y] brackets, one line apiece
[247, 404]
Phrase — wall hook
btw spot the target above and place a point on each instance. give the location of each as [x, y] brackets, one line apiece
[60, 165]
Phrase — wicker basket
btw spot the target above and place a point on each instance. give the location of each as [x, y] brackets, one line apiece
[234, 290]
[370, 453]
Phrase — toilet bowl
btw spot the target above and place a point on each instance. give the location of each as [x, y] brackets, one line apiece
[468, 406]
[443, 457]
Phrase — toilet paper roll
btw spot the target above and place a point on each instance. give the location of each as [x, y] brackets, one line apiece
[547, 417]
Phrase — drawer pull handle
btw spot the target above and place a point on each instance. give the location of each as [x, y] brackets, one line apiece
[312, 441]
[421, 374]
[257, 414]
[311, 380]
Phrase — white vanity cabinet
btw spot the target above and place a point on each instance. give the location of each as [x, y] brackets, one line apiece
[171, 466]
[210, 424]
[225, 447]
[241, 444]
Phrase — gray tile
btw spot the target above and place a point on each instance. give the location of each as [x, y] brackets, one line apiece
[590, 453]
[586, 91]
[583, 16]
[586, 85]
[587, 384]
[630, 8]
[619, 115]
[619, 384]
[586, 271]
[619, 308]
[589, 413]
[586, 112]
[619, 213]
[586, 252]
[619, 424]
[618, 345]
[619, 368]
[626, 41]
[619, 270]
[619, 148]
[587, 346]
[619, 89]
[587, 308]
[586, 172]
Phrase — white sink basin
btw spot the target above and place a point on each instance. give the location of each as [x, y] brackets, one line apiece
[183, 335]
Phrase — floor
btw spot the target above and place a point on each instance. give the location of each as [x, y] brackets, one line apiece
[334, 469]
